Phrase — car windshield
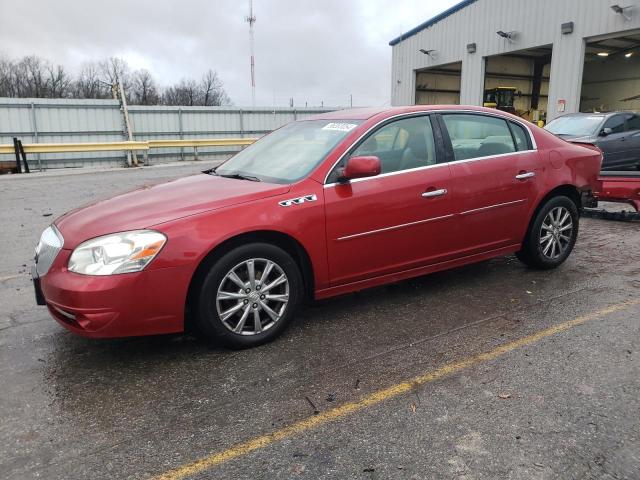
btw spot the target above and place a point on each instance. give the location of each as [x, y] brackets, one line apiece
[575, 125]
[289, 153]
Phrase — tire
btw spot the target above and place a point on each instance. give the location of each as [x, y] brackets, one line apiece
[552, 234]
[256, 313]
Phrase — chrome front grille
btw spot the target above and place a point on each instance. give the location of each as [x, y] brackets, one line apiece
[50, 244]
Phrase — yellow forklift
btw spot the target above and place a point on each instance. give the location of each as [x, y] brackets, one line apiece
[501, 98]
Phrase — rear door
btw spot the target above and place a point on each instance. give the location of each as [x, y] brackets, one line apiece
[395, 221]
[495, 169]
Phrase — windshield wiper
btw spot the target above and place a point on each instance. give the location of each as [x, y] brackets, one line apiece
[239, 176]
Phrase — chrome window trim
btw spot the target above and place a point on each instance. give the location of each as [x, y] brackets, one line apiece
[534, 145]
[394, 227]
[444, 164]
[388, 174]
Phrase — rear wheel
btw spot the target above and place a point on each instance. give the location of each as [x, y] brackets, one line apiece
[249, 296]
[552, 234]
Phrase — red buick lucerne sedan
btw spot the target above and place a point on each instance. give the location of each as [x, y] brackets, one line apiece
[320, 207]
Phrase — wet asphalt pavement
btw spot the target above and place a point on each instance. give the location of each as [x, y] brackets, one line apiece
[563, 406]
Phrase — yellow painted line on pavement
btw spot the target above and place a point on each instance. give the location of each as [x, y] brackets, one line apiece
[336, 413]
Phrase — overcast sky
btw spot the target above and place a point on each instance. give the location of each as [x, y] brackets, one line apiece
[311, 50]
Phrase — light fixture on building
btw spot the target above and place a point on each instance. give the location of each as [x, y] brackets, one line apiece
[603, 54]
[621, 10]
[429, 53]
[471, 48]
[508, 35]
[566, 28]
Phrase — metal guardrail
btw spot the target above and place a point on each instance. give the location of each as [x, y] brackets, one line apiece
[77, 147]
[127, 146]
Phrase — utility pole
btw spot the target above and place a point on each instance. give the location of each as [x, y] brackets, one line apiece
[117, 91]
[132, 160]
[251, 19]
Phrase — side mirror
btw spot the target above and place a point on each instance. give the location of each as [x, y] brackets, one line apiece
[360, 167]
[606, 131]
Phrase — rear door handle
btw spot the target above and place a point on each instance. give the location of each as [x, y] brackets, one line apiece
[522, 176]
[435, 193]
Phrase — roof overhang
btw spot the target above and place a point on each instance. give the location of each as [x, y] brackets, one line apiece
[456, 8]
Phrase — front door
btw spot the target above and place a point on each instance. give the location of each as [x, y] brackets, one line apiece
[614, 146]
[398, 220]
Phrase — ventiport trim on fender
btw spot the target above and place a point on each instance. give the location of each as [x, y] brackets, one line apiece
[298, 201]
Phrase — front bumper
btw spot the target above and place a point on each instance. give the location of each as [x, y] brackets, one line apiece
[143, 303]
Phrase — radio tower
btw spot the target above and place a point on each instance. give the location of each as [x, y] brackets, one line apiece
[251, 18]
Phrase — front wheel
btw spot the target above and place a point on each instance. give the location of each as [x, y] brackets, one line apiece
[552, 234]
[249, 296]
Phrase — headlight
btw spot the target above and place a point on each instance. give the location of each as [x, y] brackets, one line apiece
[124, 252]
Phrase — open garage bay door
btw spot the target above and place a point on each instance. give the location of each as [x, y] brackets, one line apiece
[526, 74]
[611, 76]
[439, 85]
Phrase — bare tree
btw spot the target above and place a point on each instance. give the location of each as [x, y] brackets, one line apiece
[143, 90]
[7, 87]
[29, 77]
[33, 76]
[115, 70]
[186, 92]
[208, 92]
[87, 84]
[58, 82]
[211, 90]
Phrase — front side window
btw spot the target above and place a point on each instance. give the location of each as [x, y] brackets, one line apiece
[615, 123]
[474, 136]
[633, 122]
[290, 153]
[401, 145]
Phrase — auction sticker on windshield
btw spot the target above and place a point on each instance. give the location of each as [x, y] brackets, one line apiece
[340, 127]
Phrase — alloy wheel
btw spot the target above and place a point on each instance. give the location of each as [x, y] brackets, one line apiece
[252, 296]
[556, 232]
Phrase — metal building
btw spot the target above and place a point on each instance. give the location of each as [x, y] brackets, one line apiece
[561, 56]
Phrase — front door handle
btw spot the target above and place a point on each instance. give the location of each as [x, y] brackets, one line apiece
[522, 176]
[435, 193]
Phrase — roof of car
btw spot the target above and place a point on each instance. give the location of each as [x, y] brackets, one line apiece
[366, 113]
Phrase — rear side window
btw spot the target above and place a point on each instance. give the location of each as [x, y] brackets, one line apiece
[520, 136]
[475, 136]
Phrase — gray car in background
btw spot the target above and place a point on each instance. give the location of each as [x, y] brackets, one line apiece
[617, 134]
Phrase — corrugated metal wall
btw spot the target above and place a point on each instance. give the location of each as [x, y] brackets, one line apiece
[64, 121]
[537, 23]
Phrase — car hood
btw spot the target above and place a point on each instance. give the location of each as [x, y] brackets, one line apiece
[152, 205]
